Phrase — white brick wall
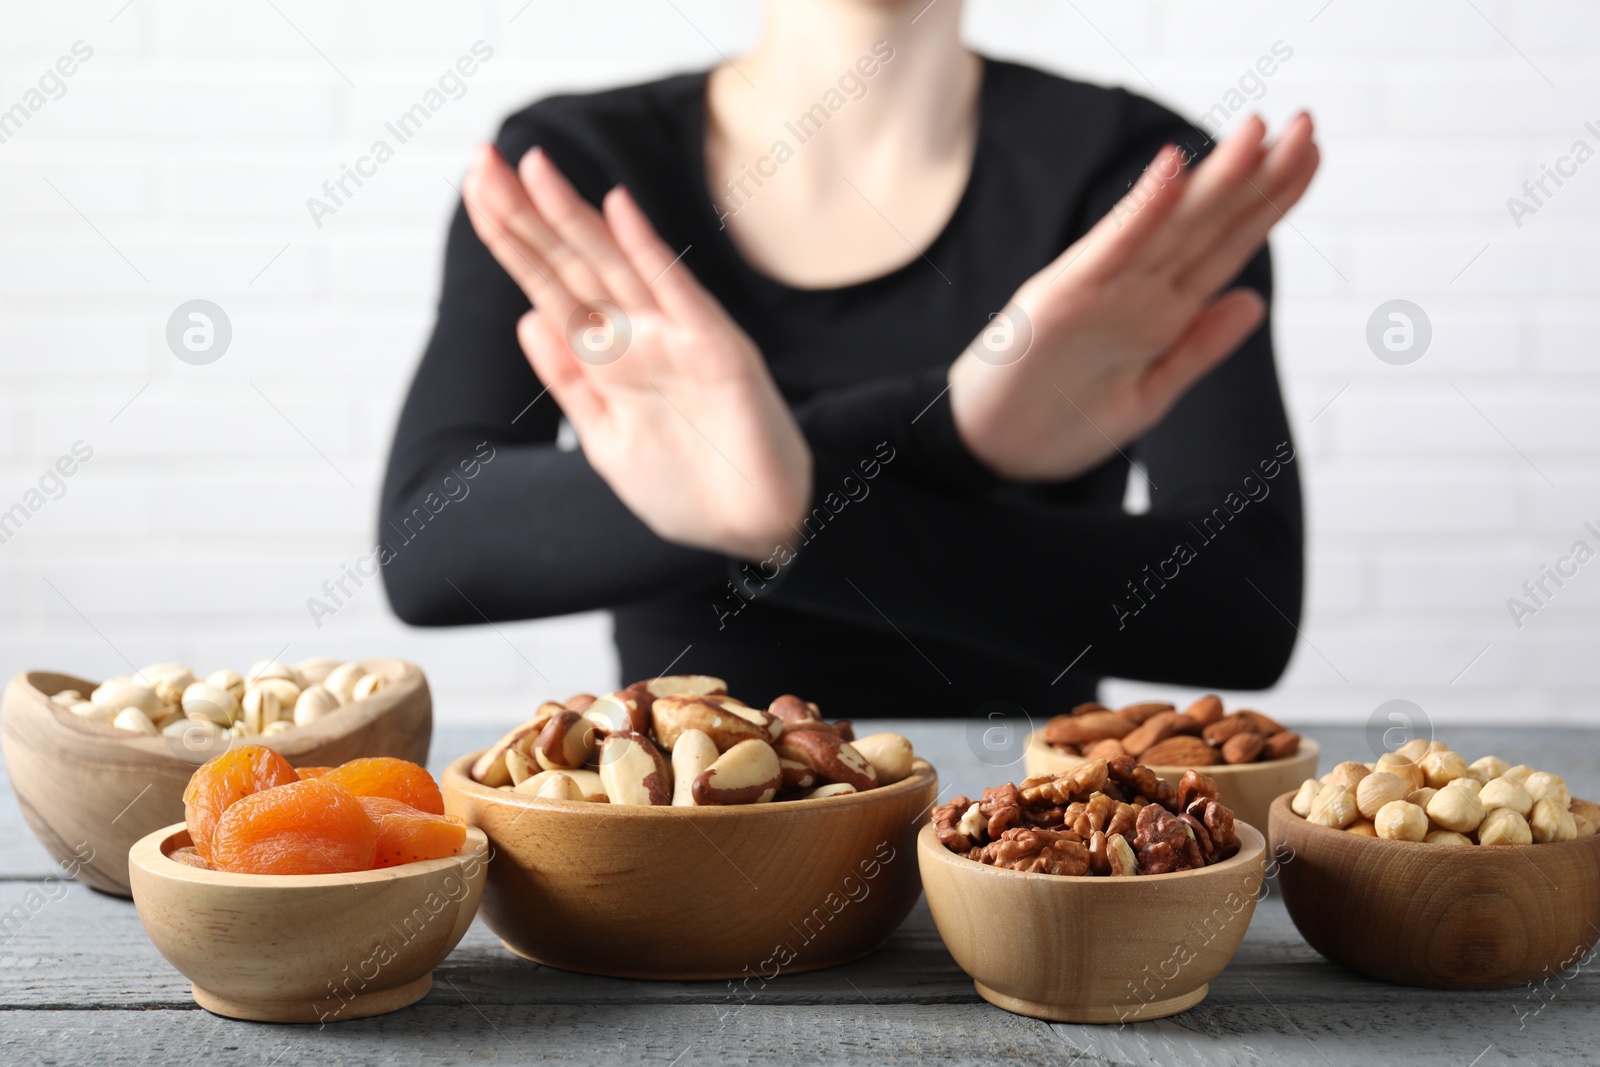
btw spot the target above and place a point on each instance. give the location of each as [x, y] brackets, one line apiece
[193, 136]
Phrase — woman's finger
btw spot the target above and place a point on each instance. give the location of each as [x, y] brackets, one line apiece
[583, 231]
[507, 199]
[1116, 240]
[1217, 178]
[1212, 337]
[545, 345]
[1223, 261]
[672, 283]
[490, 193]
[1259, 190]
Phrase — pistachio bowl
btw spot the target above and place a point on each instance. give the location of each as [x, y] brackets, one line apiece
[89, 790]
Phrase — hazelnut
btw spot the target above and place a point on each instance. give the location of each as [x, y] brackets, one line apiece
[1362, 828]
[1502, 826]
[1301, 804]
[1447, 837]
[1439, 769]
[1456, 807]
[1334, 807]
[1551, 822]
[1400, 820]
[1508, 793]
[1420, 797]
[1346, 775]
[1491, 766]
[1414, 750]
[1378, 789]
[1404, 766]
[1544, 786]
[1519, 773]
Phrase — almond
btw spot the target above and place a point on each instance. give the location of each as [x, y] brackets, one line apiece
[1156, 728]
[1141, 712]
[1219, 732]
[1206, 710]
[1085, 729]
[1263, 725]
[1281, 745]
[1110, 748]
[1088, 706]
[1180, 751]
[1243, 747]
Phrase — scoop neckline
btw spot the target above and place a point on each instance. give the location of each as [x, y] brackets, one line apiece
[700, 117]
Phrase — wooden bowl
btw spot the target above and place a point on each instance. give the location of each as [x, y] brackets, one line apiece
[1247, 788]
[90, 790]
[305, 948]
[1092, 949]
[748, 891]
[1485, 917]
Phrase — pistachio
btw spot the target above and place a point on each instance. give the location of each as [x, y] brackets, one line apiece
[98, 712]
[122, 693]
[312, 671]
[692, 756]
[271, 668]
[202, 700]
[369, 685]
[341, 681]
[748, 773]
[313, 703]
[68, 697]
[282, 726]
[890, 755]
[266, 701]
[1399, 820]
[228, 680]
[134, 720]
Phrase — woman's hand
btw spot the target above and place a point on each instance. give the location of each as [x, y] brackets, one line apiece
[1125, 321]
[671, 401]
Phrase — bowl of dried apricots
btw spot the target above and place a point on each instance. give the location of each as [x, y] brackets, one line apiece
[316, 894]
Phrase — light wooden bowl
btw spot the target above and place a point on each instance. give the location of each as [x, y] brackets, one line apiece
[1484, 917]
[305, 948]
[1248, 789]
[744, 892]
[1092, 949]
[90, 790]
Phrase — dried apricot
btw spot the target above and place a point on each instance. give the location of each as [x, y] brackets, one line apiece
[223, 780]
[385, 776]
[311, 772]
[309, 827]
[406, 835]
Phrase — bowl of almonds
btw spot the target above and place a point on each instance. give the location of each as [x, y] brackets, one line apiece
[1104, 894]
[1423, 869]
[670, 830]
[97, 766]
[1251, 757]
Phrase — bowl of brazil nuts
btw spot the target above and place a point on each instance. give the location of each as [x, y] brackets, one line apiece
[1101, 895]
[1423, 869]
[669, 830]
[97, 766]
[1251, 757]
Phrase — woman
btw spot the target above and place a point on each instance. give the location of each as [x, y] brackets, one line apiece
[858, 350]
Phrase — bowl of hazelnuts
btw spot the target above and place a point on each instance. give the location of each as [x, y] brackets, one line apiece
[1250, 756]
[670, 830]
[1423, 869]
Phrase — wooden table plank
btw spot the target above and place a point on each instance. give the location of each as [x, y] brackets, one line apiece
[80, 981]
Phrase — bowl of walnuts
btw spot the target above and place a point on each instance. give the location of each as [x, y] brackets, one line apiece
[1250, 756]
[1423, 869]
[670, 830]
[1104, 894]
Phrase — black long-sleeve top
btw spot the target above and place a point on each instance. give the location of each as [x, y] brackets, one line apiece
[924, 585]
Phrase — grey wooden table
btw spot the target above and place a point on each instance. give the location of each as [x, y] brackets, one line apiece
[80, 983]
